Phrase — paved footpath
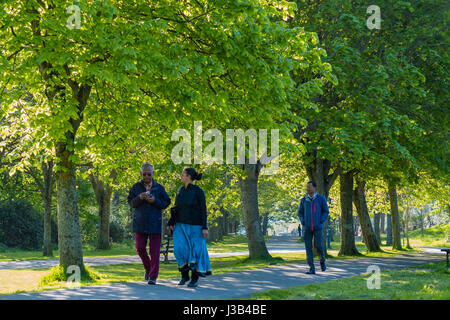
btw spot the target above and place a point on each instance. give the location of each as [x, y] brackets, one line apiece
[275, 244]
[239, 284]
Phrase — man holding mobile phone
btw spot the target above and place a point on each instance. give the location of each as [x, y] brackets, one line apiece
[148, 198]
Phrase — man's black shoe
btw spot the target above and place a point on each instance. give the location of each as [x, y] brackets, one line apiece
[323, 266]
[192, 284]
[151, 281]
[147, 275]
[311, 272]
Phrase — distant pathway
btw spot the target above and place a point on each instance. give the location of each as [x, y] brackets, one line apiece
[275, 244]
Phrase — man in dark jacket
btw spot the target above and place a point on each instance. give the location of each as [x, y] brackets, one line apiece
[313, 212]
[148, 198]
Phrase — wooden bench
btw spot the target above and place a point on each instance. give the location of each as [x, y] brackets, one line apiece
[166, 247]
[446, 250]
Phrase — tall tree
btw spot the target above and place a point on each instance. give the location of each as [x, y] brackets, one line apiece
[103, 192]
[395, 216]
[348, 246]
[198, 52]
[368, 233]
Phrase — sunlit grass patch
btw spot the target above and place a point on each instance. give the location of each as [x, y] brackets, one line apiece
[409, 283]
[60, 274]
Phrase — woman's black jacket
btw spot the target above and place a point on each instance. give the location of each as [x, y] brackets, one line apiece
[190, 207]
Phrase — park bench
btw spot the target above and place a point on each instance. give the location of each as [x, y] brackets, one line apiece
[446, 250]
[166, 247]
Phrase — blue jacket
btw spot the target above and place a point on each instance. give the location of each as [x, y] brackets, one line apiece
[313, 213]
[148, 216]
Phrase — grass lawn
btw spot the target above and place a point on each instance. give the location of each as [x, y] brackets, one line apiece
[437, 236]
[13, 281]
[426, 281]
[231, 244]
[361, 247]
[228, 244]
[118, 249]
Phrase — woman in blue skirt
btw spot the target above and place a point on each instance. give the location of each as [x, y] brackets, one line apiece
[188, 223]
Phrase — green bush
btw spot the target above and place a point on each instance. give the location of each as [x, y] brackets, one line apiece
[21, 225]
[88, 226]
[116, 231]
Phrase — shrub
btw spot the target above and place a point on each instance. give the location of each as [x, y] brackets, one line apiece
[21, 225]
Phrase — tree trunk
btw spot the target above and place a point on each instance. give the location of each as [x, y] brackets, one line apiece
[376, 222]
[252, 220]
[348, 246]
[382, 222]
[396, 245]
[406, 226]
[333, 230]
[225, 222]
[103, 192]
[356, 226]
[69, 238]
[49, 180]
[265, 223]
[421, 215]
[318, 170]
[388, 230]
[359, 198]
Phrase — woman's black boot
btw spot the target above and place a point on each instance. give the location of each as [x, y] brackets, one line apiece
[184, 276]
[194, 280]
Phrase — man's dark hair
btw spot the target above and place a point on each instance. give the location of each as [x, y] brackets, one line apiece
[313, 183]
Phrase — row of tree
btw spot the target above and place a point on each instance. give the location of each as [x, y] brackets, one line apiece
[350, 103]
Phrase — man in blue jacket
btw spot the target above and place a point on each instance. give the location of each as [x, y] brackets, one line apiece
[148, 198]
[313, 212]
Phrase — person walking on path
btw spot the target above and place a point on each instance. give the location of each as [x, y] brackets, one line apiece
[313, 212]
[188, 223]
[148, 198]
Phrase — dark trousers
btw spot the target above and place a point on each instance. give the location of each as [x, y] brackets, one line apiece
[317, 235]
[151, 263]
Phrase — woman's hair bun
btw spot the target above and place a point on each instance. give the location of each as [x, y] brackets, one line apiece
[194, 174]
[198, 176]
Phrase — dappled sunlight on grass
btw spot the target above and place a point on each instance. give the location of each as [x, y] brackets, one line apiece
[438, 236]
[230, 244]
[410, 283]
